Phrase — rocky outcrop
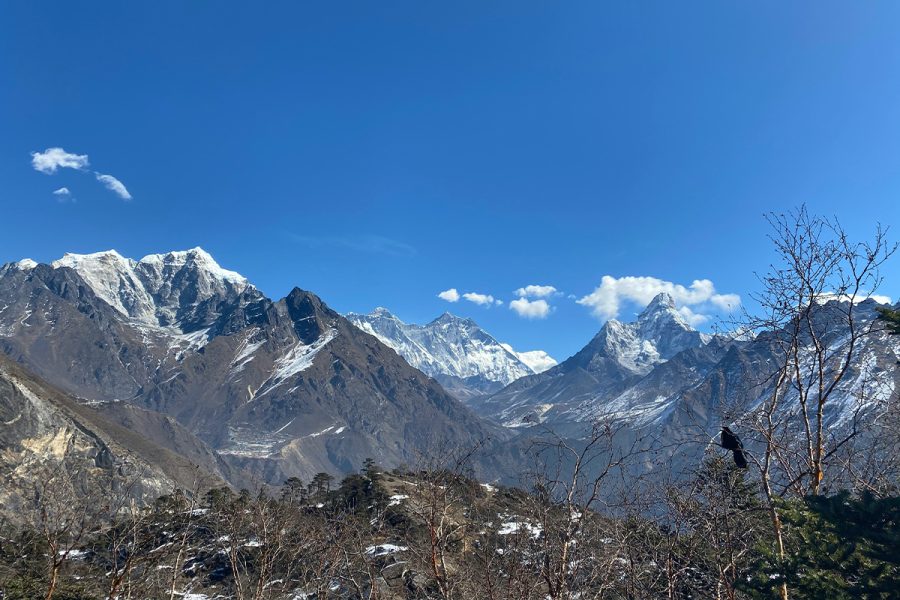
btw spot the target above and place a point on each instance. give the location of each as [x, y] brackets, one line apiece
[46, 433]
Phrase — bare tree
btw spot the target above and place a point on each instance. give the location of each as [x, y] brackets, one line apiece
[438, 500]
[68, 502]
[573, 479]
[811, 321]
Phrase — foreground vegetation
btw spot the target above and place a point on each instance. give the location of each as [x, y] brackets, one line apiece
[440, 534]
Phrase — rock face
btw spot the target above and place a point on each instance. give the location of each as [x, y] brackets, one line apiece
[47, 433]
[286, 388]
[464, 358]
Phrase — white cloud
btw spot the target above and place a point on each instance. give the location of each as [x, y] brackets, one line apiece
[535, 291]
[114, 185]
[726, 302]
[450, 295]
[51, 159]
[479, 299]
[538, 360]
[607, 299]
[693, 319]
[530, 309]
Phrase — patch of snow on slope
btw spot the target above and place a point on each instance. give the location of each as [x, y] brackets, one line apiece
[299, 358]
[516, 527]
[245, 354]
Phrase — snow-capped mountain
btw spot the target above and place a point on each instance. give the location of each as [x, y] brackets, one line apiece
[173, 290]
[463, 357]
[658, 334]
[670, 382]
[614, 360]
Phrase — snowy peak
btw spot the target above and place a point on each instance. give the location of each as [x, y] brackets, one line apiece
[660, 315]
[383, 313]
[661, 302]
[196, 259]
[658, 334]
[454, 347]
[538, 360]
[112, 277]
[450, 320]
[172, 290]
[26, 264]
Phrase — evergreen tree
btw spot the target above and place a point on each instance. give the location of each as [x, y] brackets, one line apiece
[891, 319]
[293, 491]
[840, 547]
[320, 486]
[217, 498]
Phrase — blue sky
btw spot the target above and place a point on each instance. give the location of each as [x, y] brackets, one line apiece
[380, 153]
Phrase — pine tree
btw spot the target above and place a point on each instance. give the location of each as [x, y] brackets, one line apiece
[293, 491]
[840, 547]
[891, 319]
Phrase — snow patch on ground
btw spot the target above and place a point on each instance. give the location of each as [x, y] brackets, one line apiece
[385, 549]
[517, 527]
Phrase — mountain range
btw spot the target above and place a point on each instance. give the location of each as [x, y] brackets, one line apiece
[171, 360]
[464, 358]
[274, 388]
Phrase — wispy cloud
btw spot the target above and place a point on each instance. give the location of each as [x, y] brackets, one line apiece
[694, 301]
[451, 295]
[63, 195]
[52, 159]
[530, 309]
[372, 244]
[114, 185]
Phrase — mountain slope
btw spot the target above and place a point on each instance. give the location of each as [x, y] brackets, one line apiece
[464, 358]
[45, 432]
